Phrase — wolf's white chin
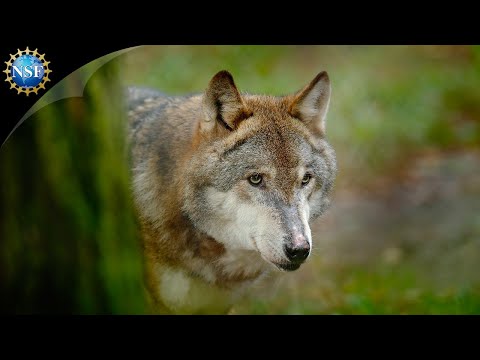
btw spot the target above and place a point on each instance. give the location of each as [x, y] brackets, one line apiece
[272, 262]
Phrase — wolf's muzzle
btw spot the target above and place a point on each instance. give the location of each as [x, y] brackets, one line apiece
[298, 250]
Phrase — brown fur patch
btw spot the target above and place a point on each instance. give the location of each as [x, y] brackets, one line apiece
[208, 248]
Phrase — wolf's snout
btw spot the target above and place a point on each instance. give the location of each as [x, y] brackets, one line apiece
[298, 250]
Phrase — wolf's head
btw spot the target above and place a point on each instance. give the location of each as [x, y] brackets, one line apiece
[260, 169]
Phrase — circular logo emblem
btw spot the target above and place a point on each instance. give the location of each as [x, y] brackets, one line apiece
[27, 71]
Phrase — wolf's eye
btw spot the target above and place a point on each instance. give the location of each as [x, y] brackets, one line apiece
[255, 180]
[306, 179]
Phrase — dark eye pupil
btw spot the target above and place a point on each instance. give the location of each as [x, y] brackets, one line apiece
[255, 179]
[306, 178]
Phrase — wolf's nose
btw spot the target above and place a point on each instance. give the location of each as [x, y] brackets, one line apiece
[298, 251]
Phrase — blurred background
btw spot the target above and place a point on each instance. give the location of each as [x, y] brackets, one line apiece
[402, 235]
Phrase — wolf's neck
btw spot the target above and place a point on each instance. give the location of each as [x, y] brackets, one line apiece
[189, 271]
[208, 258]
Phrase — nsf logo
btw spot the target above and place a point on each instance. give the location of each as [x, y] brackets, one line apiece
[27, 71]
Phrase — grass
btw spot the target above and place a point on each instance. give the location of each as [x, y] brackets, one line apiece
[378, 290]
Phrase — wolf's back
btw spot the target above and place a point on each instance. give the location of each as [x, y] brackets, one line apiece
[143, 105]
[160, 126]
[137, 95]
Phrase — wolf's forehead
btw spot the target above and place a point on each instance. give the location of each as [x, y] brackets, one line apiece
[272, 146]
[268, 109]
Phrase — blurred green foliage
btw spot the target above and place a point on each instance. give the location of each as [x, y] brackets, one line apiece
[69, 237]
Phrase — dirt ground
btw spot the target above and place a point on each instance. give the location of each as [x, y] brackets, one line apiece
[429, 216]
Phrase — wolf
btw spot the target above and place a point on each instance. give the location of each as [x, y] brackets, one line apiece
[225, 184]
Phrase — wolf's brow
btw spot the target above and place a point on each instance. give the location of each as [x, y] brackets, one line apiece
[235, 146]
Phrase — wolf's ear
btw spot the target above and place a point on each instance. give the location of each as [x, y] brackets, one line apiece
[222, 103]
[310, 104]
